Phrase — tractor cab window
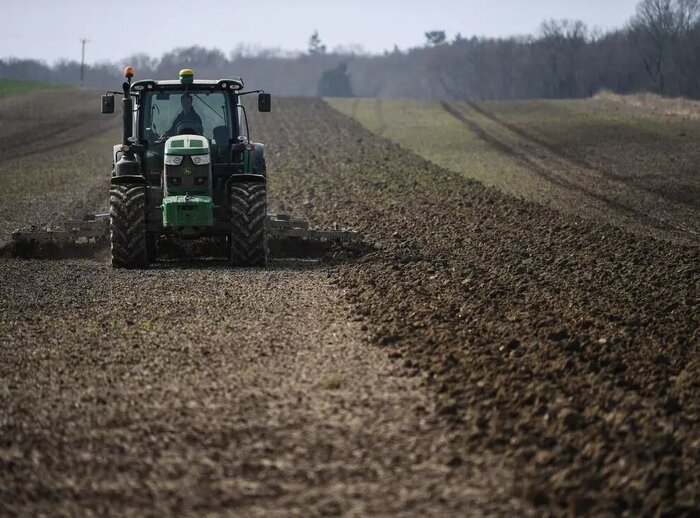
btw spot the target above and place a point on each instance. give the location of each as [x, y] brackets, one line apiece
[171, 113]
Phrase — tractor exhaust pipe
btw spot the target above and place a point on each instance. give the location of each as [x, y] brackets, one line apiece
[127, 166]
[127, 114]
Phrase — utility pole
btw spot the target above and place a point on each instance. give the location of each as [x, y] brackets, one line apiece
[83, 41]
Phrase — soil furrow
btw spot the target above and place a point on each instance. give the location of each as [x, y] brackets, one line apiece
[48, 120]
[54, 163]
[635, 181]
[193, 388]
[488, 356]
[566, 345]
[615, 197]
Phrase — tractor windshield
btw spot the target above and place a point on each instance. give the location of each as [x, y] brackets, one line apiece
[175, 112]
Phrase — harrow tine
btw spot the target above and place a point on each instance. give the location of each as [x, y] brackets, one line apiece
[292, 235]
[282, 226]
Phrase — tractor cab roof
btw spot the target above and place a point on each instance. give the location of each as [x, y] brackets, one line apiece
[235, 84]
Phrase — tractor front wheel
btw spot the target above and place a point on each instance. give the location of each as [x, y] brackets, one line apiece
[248, 243]
[127, 226]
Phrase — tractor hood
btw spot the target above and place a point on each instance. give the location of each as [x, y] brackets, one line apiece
[187, 145]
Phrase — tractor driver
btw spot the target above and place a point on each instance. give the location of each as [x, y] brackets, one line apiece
[187, 117]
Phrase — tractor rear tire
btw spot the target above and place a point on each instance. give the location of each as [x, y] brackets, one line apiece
[248, 243]
[127, 226]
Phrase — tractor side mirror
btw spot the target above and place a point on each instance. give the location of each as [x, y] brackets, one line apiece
[107, 104]
[264, 102]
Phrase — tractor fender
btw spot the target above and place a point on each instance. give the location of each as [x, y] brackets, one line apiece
[258, 159]
[247, 178]
[127, 179]
[127, 166]
[116, 154]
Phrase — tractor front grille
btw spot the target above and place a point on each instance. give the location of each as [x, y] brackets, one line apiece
[187, 178]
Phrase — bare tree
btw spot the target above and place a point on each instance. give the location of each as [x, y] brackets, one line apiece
[656, 29]
[316, 46]
[658, 50]
[562, 44]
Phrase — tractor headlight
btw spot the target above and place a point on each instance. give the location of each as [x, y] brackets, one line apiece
[173, 159]
[200, 159]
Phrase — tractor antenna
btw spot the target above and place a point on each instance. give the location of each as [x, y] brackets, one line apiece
[83, 41]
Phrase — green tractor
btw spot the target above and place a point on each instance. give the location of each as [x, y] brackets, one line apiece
[186, 169]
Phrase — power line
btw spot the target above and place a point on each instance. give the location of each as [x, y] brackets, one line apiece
[83, 41]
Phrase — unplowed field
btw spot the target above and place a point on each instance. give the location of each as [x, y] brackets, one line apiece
[611, 160]
[487, 355]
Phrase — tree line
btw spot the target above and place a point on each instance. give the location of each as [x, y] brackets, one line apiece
[658, 50]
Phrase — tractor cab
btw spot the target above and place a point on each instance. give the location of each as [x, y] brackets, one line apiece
[207, 112]
[186, 156]
[208, 108]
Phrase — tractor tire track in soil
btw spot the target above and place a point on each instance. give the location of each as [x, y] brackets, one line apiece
[379, 110]
[193, 388]
[635, 181]
[567, 346]
[594, 190]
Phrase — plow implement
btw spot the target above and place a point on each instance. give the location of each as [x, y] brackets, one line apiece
[92, 230]
[287, 237]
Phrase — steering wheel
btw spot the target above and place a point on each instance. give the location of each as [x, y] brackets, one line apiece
[153, 136]
[189, 127]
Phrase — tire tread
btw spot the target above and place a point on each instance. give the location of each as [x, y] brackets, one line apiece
[127, 225]
[248, 245]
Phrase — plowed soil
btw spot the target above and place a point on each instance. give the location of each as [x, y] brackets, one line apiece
[489, 356]
[569, 346]
[193, 388]
[54, 157]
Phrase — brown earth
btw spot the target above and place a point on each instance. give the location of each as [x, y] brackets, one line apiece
[47, 120]
[123, 393]
[496, 355]
[54, 157]
[192, 388]
[567, 345]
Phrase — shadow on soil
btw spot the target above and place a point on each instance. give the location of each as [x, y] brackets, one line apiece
[53, 251]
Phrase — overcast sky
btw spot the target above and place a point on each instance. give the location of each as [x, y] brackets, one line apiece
[51, 29]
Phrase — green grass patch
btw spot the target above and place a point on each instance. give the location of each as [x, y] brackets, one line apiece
[333, 383]
[608, 135]
[566, 135]
[10, 87]
[426, 129]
